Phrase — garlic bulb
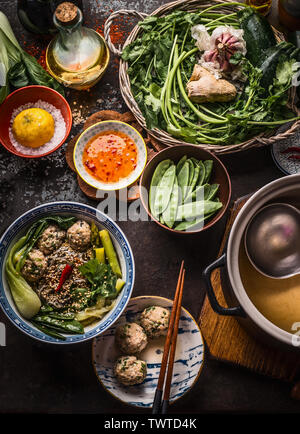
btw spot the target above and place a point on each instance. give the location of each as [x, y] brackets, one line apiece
[223, 43]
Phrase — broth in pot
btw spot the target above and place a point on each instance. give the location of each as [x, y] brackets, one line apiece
[278, 300]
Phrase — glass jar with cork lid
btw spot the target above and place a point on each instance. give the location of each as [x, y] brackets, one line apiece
[78, 56]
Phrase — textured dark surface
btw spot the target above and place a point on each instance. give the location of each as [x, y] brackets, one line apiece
[35, 378]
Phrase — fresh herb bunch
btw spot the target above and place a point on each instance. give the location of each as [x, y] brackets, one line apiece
[161, 62]
[101, 277]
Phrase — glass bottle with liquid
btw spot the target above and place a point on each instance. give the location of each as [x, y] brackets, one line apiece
[263, 6]
[289, 13]
[78, 56]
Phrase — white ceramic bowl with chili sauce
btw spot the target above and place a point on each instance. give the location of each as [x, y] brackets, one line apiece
[118, 127]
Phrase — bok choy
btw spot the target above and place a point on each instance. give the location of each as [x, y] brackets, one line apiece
[18, 68]
[26, 300]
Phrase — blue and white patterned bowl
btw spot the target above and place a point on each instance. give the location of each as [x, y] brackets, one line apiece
[105, 126]
[17, 229]
[188, 358]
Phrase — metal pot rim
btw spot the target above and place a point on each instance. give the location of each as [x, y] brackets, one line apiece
[267, 193]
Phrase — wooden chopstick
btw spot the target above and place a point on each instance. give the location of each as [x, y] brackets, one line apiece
[165, 403]
[164, 362]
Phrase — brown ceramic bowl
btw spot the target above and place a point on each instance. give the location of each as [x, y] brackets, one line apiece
[219, 176]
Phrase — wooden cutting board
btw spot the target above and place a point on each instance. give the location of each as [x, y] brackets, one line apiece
[228, 341]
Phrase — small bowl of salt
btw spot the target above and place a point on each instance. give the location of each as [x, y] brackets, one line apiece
[34, 97]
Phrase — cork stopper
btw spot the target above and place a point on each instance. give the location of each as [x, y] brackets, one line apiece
[66, 13]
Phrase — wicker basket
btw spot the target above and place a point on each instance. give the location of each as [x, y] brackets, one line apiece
[192, 6]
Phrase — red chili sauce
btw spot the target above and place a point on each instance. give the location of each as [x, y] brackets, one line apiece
[110, 156]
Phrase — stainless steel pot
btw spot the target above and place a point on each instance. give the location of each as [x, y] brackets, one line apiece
[285, 189]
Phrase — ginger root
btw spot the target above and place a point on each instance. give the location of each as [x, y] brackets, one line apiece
[204, 87]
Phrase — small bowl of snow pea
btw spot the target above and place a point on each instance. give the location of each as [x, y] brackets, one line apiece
[185, 189]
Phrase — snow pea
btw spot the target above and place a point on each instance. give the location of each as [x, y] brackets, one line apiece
[195, 161]
[164, 190]
[198, 193]
[210, 193]
[191, 172]
[193, 224]
[169, 215]
[195, 177]
[156, 177]
[183, 179]
[189, 187]
[208, 164]
[190, 211]
[48, 331]
[201, 174]
[180, 164]
[60, 315]
[64, 326]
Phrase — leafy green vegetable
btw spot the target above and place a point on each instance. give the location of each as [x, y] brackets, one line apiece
[160, 63]
[20, 68]
[101, 277]
[26, 300]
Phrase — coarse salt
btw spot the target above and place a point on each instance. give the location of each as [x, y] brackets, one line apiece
[59, 129]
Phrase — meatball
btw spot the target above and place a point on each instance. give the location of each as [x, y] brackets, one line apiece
[51, 239]
[129, 370]
[131, 338]
[79, 235]
[155, 320]
[34, 266]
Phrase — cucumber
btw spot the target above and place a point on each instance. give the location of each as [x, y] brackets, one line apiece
[258, 34]
[269, 64]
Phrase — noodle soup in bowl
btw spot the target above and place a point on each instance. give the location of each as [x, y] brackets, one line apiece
[79, 212]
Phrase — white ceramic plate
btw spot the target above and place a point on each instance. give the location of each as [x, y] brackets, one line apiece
[188, 358]
[115, 126]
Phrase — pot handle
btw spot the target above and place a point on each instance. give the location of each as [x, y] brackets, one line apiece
[109, 21]
[229, 311]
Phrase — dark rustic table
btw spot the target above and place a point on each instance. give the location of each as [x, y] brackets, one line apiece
[35, 378]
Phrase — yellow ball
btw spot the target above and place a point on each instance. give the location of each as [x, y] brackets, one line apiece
[33, 127]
